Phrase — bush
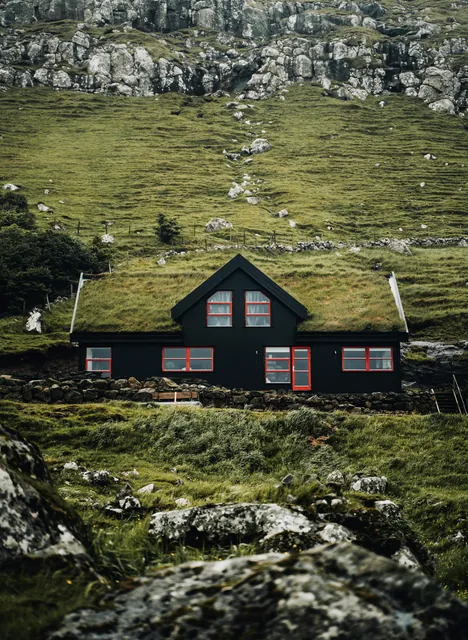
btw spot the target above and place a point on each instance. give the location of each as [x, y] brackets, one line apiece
[23, 220]
[167, 229]
[36, 263]
[11, 201]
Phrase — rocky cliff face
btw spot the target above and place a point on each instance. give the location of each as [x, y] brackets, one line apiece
[252, 48]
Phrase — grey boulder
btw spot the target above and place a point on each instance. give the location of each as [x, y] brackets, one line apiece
[333, 591]
[34, 521]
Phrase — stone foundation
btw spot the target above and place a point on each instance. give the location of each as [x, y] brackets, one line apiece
[82, 389]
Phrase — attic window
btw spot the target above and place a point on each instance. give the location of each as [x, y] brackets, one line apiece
[99, 360]
[187, 359]
[257, 309]
[277, 365]
[367, 359]
[219, 309]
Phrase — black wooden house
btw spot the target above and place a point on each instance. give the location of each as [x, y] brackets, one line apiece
[240, 329]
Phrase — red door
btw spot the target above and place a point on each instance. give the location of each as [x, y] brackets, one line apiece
[301, 369]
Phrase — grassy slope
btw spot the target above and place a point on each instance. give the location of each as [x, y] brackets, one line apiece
[224, 455]
[121, 160]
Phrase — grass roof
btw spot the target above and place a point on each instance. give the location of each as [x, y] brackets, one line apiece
[340, 295]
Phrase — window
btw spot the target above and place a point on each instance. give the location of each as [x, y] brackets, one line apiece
[367, 359]
[257, 309]
[99, 360]
[187, 359]
[277, 365]
[219, 309]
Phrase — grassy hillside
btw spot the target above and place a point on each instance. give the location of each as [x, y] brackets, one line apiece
[221, 456]
[122, 160]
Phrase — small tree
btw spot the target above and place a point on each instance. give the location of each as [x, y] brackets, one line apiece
[167, 229]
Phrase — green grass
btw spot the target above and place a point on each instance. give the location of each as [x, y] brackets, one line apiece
[123, 160]
[339, 294]
[224, 456]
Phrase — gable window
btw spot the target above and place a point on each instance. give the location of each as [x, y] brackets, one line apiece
[99, 360]
[257, 309]
[219, 309]
[187, 359]
[367, 359]
[277, 365]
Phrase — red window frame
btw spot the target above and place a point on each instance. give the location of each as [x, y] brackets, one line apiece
[257, 315]
[368, 359]
[109, 360]
[229, 315]
[309, 373]
[187, 360]
[288, 370]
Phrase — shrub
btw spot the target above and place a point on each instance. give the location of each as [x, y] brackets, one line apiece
[23, 220]
[36, 263]
[167, 229]
[11, 201]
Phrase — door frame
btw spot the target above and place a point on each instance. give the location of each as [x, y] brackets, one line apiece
[293, 357]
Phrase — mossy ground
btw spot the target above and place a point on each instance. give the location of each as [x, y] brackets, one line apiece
[222, 456]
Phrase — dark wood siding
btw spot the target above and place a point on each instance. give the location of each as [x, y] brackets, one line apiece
[239, 350]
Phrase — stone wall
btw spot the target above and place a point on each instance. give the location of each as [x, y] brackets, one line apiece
[81, 389]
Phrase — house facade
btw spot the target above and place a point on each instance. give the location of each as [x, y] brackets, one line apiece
[239, 329]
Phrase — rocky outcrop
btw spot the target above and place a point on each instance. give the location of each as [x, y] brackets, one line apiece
[336, 590]
[34, 521]
[352, 49]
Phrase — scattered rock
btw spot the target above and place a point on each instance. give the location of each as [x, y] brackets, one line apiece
[107, 239]
[369, 484]
[283, 213]
[260, 145]
[336, 533]
[217, 224]
[99, 478]
[10, 187]
[182, 502]
[289, 479]
[43, 207]
[71, 466]
[148, 488]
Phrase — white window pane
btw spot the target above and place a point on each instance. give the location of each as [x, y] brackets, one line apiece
[174, 352]
[219, 308]
[354, 352]
[174, 365]
[277, 364]
[278, 377]
[350, 365]
[195, 365]
[219, 321]
[255, 296]
[200, 352]
[301, 379]
[277, 352]
[378, 365]
[98, 352]
[258, 308]
[98, 365]
[257, 321]
[221, 296]
[380, 352]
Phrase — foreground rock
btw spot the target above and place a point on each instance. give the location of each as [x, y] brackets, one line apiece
[334, 591]
[34, 522]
